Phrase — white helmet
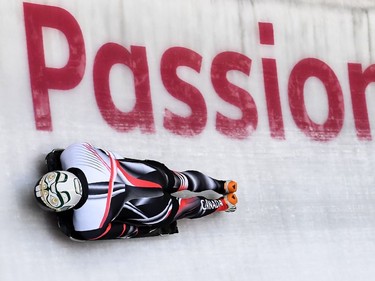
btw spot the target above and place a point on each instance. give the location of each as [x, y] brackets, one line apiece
[58, 191]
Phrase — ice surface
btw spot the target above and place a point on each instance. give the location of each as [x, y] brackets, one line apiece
[306, 208]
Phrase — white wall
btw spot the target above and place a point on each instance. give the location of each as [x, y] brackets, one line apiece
[306, 198]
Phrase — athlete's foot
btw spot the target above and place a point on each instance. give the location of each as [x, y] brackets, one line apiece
[231, 201]
[230, 187]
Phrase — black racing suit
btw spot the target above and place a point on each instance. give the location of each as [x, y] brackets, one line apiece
[125, 198]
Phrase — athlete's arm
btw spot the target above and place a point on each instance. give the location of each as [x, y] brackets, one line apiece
[113, 230]
[117, 230]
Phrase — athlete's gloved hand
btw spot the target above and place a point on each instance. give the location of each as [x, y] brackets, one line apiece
[53, 160]
[146, 231]
[169, 229]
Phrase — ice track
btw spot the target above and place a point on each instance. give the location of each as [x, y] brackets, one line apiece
[306, 197]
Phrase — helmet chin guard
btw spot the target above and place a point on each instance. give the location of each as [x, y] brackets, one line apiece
[58, 191]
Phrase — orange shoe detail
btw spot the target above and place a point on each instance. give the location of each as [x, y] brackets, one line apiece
[230, 186]
[231, 200]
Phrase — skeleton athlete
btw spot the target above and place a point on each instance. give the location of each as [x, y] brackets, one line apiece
[98, 194]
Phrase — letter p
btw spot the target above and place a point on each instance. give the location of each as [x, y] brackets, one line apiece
[42, 77]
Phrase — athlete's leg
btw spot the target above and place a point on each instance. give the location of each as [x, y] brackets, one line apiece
[197, 182]
[153, 173]
[197, 207]
[156, 208]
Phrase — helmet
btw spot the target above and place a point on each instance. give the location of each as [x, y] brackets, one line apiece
[58, 191]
